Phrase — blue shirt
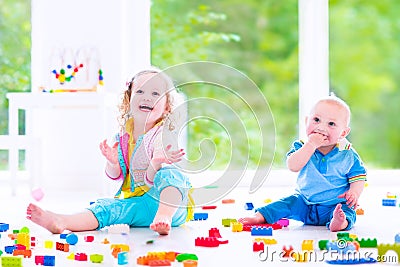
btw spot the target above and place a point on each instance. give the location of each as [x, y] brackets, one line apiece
[325, 177]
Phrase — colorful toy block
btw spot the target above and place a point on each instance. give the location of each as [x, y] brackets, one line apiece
[62, 247]
[352, 261]
[283, 222]
[274, 226]
[206, 242]
[389, 202]
[22, 252]
[8, 261]
[45, 260]
[122, 258]
[4, 227]
[81, 257]
[228, 201]
[307, 245]
[359, 211]
[189, 263]
[159, 263]
[48, 244]
[237, 227]
[322, 244]
[89, 238]
[397, 238]
[186, 256]
[200, 216]
[258, 246]
[286, 252]
[300, 256]
[367, 243]
[209, 207]
[264, 231]
[214, 232]
[248, 206]
[383, 248]
[96, 258]
[227, 222]
[266, 241]
[71, 239]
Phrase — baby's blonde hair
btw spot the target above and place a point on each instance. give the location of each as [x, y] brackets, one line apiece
[172, 95]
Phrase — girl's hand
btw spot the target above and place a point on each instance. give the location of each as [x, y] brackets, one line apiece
[167, 156]
[110, 153]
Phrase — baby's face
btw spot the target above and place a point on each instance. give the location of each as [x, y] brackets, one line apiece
[329, 119]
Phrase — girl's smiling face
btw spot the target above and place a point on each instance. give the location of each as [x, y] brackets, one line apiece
[148, 99]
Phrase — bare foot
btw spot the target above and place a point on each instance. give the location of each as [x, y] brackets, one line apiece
[338, 221]
[161, 225]
[49, 220]
[257, 218]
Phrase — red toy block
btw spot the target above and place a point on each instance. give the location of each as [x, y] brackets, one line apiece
[287, 251]
[258, 246]
[159, 263]
[206, 242]
[209, 207]
[80, 257]
[214, 232]
[89, 238]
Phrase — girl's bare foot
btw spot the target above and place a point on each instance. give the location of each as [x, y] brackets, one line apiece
[257, 218]
[338, 221]
[49, 220]
[161, 225]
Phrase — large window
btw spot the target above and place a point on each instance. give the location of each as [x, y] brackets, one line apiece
[258, 38]
[364, 64]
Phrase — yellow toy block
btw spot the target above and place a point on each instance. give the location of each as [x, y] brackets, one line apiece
[237, 227]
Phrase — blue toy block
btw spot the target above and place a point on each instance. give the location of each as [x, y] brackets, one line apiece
[397, 238]
[389, 202]
[200, 216]
[248, 206]
[352, 261]
[122, 258]
[49, 261]
[63, 236]
[263, 231]
[71, 239]
[4, 227]
[10, 249]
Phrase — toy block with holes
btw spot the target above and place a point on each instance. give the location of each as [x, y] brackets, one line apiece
[266, 241]
[227, 222]
[237, 227]
[11, 261]
[200, 216]
[367, 243]
[258, 246]
[206, 242]
[307, 245]
[263, 231]
[389, 202]
[4, 227]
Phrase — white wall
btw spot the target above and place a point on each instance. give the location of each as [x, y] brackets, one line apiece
[120, 31]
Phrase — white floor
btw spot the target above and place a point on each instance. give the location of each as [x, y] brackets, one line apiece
[378, 222]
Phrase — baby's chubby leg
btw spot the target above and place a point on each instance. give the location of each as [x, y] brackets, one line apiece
[57, 223]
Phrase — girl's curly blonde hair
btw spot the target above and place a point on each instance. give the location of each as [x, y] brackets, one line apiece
[172, 95]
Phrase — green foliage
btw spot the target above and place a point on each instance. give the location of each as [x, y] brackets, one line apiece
[15, 52]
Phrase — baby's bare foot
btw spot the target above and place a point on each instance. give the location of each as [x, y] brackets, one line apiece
[257, 218]
[161, 225]
[338, 221]
[49, 220]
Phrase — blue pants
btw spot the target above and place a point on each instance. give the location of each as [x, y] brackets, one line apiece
[140, 211]
[294, 207]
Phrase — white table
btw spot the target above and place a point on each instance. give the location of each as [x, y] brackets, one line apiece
[31, 101]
